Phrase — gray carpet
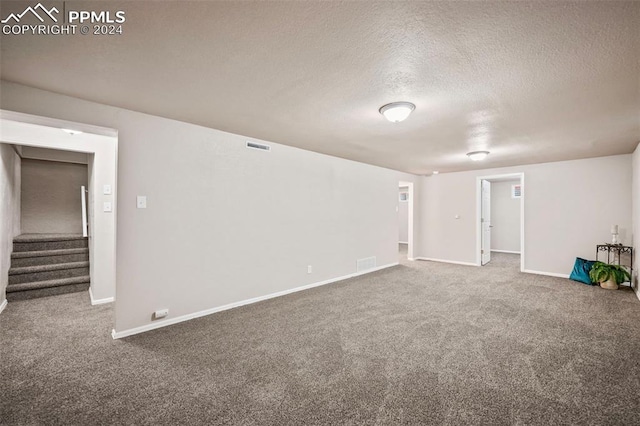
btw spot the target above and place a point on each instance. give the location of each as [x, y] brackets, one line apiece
[420, 343]
[48, 264]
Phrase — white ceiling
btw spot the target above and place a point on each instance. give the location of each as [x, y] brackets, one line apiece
[529, 81]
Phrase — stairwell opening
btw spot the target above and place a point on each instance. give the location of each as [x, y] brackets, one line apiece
[44, 260]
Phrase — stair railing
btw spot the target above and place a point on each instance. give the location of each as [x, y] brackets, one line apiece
[85, 225]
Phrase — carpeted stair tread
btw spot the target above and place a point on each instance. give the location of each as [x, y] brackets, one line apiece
[49, 244]
[43, 253]
[33, 238]
[47, 292]
[46, 268]
[49, 283]
[48, 264]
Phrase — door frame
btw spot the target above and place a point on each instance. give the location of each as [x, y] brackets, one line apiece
[506, 176]
[483, 243]
[101, 146]
[410, 254]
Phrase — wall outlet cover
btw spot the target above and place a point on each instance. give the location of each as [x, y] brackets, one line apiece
[161, 313]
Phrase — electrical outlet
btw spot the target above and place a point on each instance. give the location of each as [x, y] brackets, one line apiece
[309, 269]
[141, 201]
[160, 313]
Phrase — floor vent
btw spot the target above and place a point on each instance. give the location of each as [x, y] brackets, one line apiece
[366, 263]
[260, 146]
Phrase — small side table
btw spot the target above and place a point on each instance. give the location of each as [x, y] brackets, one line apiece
[619, 250]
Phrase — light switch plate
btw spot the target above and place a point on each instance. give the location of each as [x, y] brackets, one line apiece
[141, 201]
[106, 189]
[106, 206]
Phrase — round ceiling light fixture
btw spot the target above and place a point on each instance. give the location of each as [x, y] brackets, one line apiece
[397, 111]
[477, 155]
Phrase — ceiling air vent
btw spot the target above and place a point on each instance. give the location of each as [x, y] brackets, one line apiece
[260, 146]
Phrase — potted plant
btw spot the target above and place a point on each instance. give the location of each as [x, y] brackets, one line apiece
[609, 276]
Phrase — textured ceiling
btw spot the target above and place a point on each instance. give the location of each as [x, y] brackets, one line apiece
[529, 81]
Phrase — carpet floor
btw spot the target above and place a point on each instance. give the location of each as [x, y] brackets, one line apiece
[419, 343]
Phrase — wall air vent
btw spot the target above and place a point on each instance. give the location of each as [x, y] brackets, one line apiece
[365, 264]
[260, 146]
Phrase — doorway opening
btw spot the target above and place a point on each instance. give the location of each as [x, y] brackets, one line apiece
[405, 221]
[82, 237]
[500, 220]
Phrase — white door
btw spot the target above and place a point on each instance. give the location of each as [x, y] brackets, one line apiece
[486, 221]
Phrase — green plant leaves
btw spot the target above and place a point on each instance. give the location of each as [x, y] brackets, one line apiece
[601, 272]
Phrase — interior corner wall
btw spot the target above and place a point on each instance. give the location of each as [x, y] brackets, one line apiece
[569, 207]
[224, 223]
[9, 210]
[505, 217]
[636, 216]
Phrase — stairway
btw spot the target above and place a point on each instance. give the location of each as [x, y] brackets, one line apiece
[48, 264]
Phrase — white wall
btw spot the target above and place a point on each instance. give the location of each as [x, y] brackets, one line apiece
[636, 214]
[505, 217]
[403, 218]
[51, 196]
[9, 210]
[189, 251]
[569, 208]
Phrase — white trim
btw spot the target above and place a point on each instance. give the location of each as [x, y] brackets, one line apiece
[403, 242]
[99, 301]
[412, 259]
[410, 219]
[3, 305]
[148, 327]
[83, 199]
[506, 251]
[455, 262]
[550, 274]
[507, 176]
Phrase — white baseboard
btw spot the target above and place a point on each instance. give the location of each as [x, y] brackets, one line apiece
[412, 259]
[164, 323]
[550, 274]
[455, 262]
[99, 301]
[506, 251]
[3, 305]
[403, 242]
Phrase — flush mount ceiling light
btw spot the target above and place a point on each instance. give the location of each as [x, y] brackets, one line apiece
[71, 131]
[397, 111]
[477, 155]
[435, 172]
